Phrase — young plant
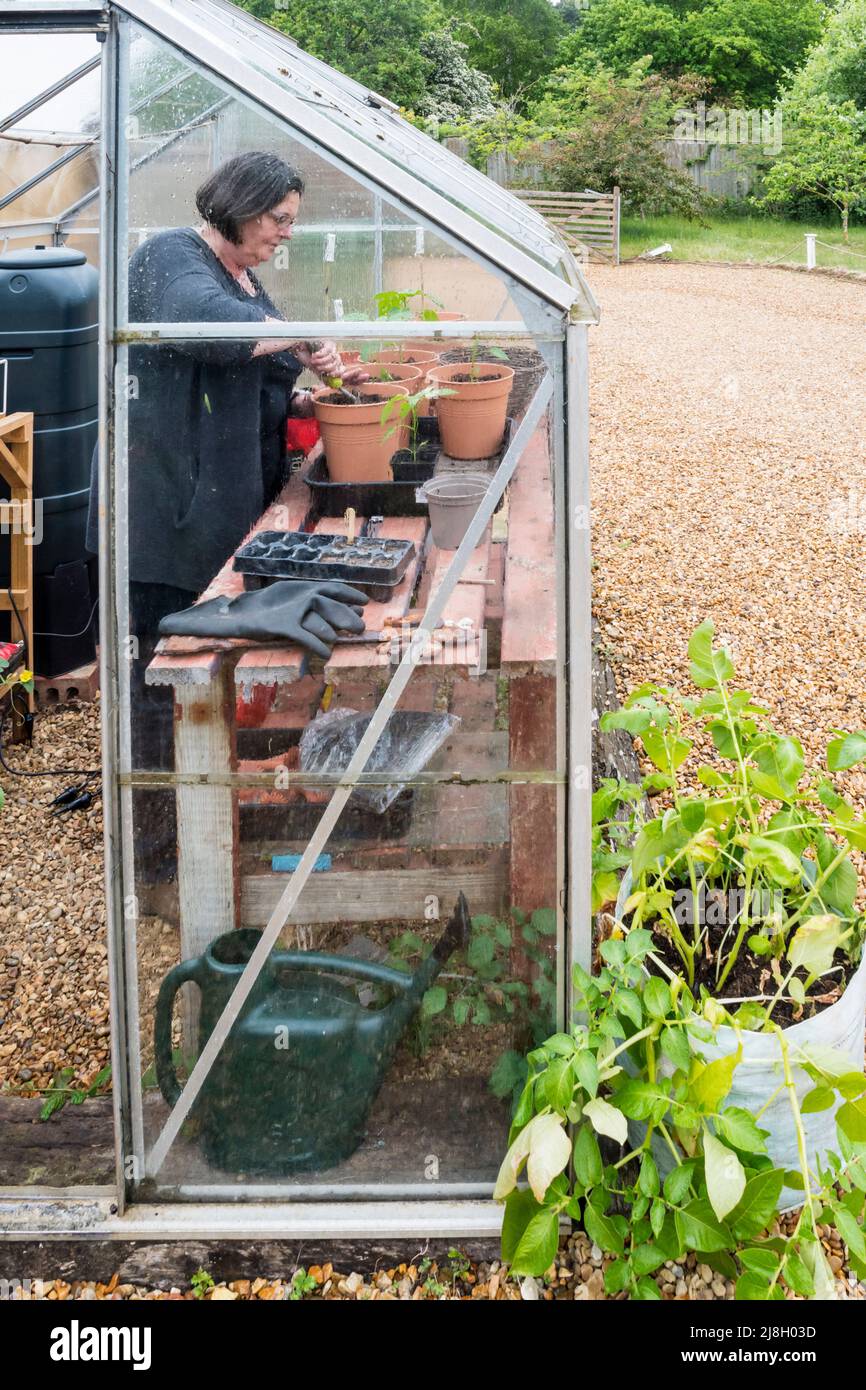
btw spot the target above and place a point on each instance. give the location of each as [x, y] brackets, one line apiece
[201, 1283]
[60, 1093]
[474, 350]
[395, 304]
[747, 870]
[405, 408]
[661, 1163]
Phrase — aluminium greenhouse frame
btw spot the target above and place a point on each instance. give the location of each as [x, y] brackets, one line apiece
[337, 118]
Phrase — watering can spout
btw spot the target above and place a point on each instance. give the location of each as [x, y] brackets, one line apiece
[454, 938]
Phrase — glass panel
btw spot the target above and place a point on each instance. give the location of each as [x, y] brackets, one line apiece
[34, 62]
[365, 1058]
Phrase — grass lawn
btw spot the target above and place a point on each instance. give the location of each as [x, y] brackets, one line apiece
[742, 239]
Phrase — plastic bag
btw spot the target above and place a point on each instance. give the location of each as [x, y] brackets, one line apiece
[406, 745]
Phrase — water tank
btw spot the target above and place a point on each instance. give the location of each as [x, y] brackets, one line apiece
[48, 333]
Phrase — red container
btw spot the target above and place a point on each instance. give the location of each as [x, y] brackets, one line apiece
[301, 434]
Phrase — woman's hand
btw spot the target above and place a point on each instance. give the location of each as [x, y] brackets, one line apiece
[354, 375]
[325, 361]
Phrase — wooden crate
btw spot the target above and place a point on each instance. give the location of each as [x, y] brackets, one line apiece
[16, 519]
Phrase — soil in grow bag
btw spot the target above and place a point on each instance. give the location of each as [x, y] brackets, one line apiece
[751, 975]
[370, 562]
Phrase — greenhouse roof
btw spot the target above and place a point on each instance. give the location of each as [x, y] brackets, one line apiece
[364, 132]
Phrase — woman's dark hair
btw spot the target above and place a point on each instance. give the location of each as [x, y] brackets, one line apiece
[244, 187]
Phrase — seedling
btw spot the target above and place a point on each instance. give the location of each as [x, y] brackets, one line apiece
[201, 1283]
[394, 304]
[407, 407]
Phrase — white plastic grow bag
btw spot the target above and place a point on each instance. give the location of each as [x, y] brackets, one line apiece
[760, 1072]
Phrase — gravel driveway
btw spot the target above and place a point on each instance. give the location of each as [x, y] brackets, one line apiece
[729, 482]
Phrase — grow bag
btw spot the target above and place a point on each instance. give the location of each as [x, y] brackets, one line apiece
[760, 1072]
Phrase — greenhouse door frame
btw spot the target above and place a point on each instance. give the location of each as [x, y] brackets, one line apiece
[107, 1213]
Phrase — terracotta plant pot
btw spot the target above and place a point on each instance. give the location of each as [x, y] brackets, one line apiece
[421, 356]
[358, 446]
[448, 316]
[413, 377]
[472, 421]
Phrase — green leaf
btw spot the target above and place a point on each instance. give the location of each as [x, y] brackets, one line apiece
[646, 1258]
[627, 1002]
[693, 814]
[843, 753]
[755, 1288]
[634, 721]
[665, 750]
[606, 1119]
[725, 1175]
[647, 1290]
[777, 862]
[850, 1231]
[434, 1001]
[481, 951]
[740, 1129]
[840, 889]
[797, 1276]
[616, 1277]
[760, 1260]
[713, 1082]
[555, 1085]
[675, 1046]
[648, 1177]
[544, 921]
[676, 1184]
[536, 1249]
[588, 1166]
[586, 1069]
[460, 1011]
[657, 998]
[757, 1206]
[821, 1098]
[700, 1229]
[708, 668]
[602, 1230]
[782, 760]
[638, 1099]
[657, 1217]
[815, 1261]
[508, 1072]
[520, 1207]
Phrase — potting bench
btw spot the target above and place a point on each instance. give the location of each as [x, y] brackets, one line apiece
[460, 834]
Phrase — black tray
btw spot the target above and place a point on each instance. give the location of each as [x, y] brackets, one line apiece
[396, 498]
[274, 555]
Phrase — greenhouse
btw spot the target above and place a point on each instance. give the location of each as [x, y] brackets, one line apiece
[347, 848]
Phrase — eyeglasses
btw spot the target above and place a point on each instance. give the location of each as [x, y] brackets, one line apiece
[282, 219]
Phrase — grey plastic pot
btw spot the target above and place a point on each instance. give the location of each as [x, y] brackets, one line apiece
[760, 1072]
[452, 501]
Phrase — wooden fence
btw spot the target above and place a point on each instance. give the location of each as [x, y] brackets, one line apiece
[588, 222]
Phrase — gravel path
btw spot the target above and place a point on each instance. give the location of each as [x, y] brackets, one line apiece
[53, 969]
[729, 482]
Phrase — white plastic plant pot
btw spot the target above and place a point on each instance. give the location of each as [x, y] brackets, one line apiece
[760, 1073]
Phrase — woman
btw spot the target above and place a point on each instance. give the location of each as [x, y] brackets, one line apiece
[206, 427]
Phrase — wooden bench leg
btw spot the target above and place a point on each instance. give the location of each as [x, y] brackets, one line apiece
[207, 819]
[533, 829]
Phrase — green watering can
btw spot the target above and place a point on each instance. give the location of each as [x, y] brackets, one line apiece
[294, 1081]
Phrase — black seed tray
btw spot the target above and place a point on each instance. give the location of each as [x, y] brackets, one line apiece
[369, 560]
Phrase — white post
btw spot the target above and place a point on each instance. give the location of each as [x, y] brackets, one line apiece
[810, 250]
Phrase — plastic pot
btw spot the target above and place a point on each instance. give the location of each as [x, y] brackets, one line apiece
[358, 445]
[472, 420]
[759, 1074]
[421, 356]
[452, 501]
[413, 374]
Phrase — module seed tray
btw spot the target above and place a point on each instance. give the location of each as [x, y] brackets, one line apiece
[369, 561]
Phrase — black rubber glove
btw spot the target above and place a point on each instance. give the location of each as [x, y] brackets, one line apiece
[310, 613]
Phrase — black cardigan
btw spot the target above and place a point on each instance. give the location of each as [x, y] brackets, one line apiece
[205, 418]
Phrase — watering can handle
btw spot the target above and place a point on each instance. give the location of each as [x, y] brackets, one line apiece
[343, 965]
[165, 1071]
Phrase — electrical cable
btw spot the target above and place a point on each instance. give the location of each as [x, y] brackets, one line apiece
[71, 634]
[18, 772]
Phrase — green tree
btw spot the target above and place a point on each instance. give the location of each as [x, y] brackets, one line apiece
[375, 41]
[743, 47]
[511, 40]
[610, 130]
[824, 154]
[837, 65]
[456, 91]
